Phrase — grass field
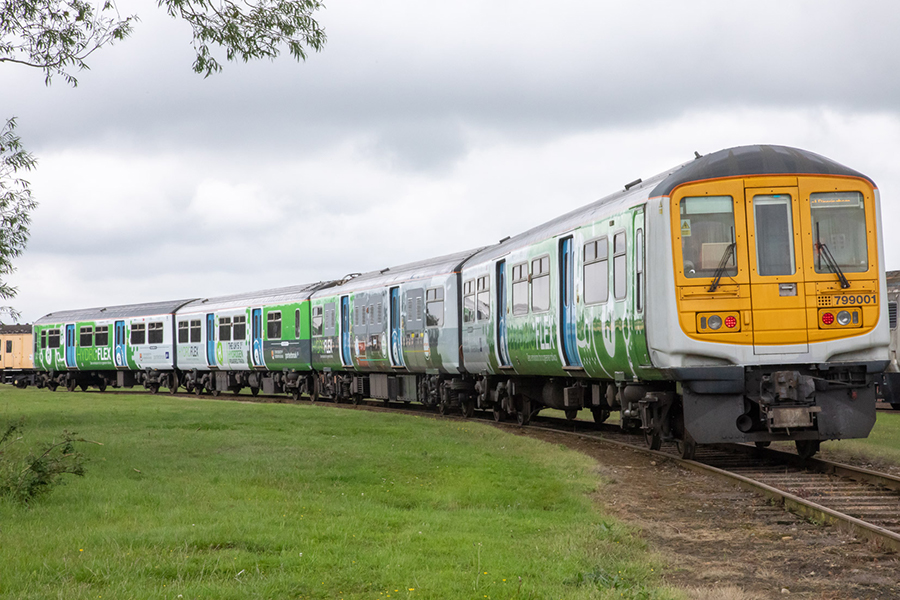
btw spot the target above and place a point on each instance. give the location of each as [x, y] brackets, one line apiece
[882, 445]
[219, 499]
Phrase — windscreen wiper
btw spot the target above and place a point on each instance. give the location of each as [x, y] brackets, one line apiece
[823, 250]
[723, 264]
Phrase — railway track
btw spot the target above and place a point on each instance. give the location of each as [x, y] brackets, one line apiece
[864, 502]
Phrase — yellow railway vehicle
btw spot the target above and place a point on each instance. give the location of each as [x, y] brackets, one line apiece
[16, 354]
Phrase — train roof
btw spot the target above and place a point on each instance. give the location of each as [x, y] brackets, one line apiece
[732, 162]
[106, 313]
[15, 329]
[754, 160]
[283, 295]
[449, 263]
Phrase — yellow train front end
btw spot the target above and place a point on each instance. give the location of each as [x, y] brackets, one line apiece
[777, 291]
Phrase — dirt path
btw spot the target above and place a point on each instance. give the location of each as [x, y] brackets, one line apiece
[722, 542]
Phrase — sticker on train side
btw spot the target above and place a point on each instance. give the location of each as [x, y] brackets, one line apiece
[855, 299]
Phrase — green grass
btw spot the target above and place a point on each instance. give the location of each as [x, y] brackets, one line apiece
[220, 499]
[882, 446]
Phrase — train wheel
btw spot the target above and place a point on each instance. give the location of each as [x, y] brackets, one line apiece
[468, 408]
[571, 414]
[198, 389]
[600, 415]
[523, 414]
[295, 394]
[102, 385]
[762, 444]
[236, 391]
[154, 388]
[173, 383]
[686, 447]
[254, 391]
[499, 414]
[71, 385]
[217, 392]
[356, 399]
[314, 394]
[807, 448]
[653, 439]
[443, 408]
[83, 387]
[52, 385]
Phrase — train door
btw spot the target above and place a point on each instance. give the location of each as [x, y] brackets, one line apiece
[777, 294]
[567, 303]
[70, 346]
[211, 340]
[346, 358]
[396, 334]
[502, 348]
[256, 336]
[119, 349]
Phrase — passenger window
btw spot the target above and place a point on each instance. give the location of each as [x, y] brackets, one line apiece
[540, 284]
[707, 232]
[155, 333]
[317, 320]
[484, 298]
[839, 229]
[8, 346]
[53, 338]
[619, 279]
[196, 332]
[639, 270]
[183, 332]
[774, 234]
[224, 329]
[86, 336]
[520, 289]
[434, 307]
[469, 301]
[138, 334]
[596, 271]
[101, 336]
[273, 325]
[239, 328]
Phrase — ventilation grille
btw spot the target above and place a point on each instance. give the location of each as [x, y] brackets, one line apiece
[892, 313]
[824, 301]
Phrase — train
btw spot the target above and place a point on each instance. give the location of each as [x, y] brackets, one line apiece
[737, 297]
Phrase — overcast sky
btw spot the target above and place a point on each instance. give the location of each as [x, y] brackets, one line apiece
[421, 129]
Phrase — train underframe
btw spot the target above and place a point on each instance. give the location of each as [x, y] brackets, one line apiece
[693, 406]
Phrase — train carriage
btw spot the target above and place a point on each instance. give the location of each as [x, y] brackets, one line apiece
[738, 297]
[17, 359]
[259, 340]
[399, 326]
[115, 345]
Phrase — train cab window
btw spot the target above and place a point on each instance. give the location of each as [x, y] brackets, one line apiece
[619, 280]
[101, 336]
[138, 334]
[53, 338]
[469, 301]
[224, 329]
[484, 298]
[540, 284]
[318, 320]
[155, 333]
[520, 289]
[296, 324]
[596, 271]
[839, 229]
[434, 307]
[43, 339]
[85, 336]
[196, 331]
[183, 332]
[707, 234]
[273, 325]
[774, 224]
[239, 328]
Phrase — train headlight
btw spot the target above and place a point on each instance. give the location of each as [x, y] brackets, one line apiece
[827, 318]
[715, 322]
[843, 318]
